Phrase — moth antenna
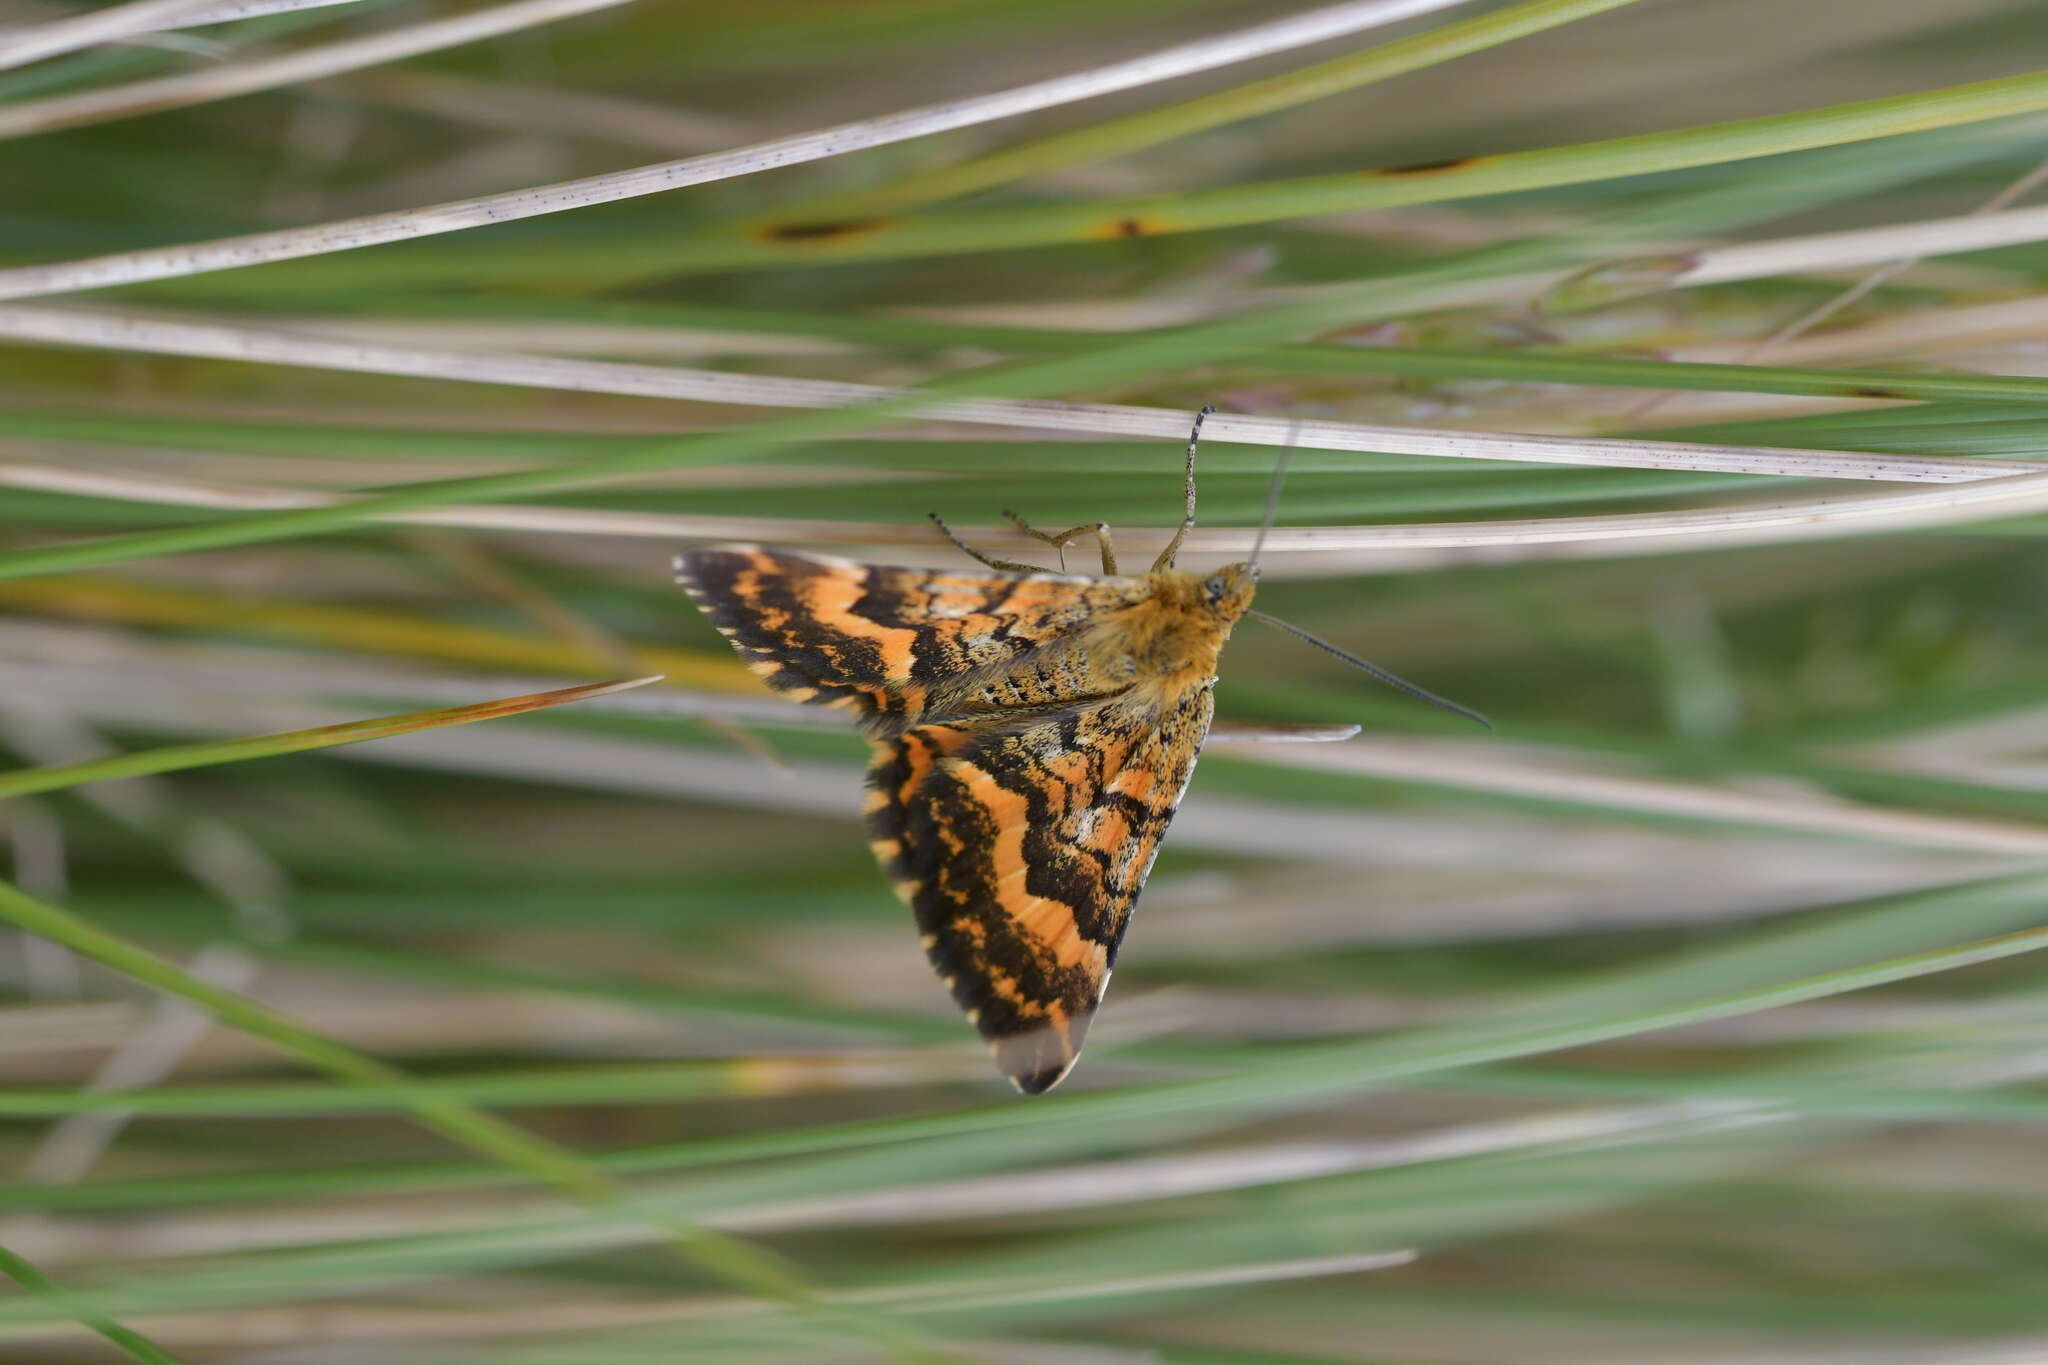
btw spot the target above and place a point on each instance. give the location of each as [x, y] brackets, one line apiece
[1251, 565]
[1372, 670]
[1187, 521]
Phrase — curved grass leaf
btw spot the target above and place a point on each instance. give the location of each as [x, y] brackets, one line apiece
[135, 1345]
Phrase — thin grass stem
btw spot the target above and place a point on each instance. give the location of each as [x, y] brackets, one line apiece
[131, 1342]
[1118, 137]
[228, 79]
[20, 46]
[134, 330]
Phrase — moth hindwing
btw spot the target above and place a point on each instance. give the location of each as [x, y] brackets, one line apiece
[1032, 734]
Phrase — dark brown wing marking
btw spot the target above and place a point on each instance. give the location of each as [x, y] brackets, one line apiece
[875, 639]
[1022, 851]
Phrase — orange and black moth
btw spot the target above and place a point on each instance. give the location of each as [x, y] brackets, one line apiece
[1032, 734]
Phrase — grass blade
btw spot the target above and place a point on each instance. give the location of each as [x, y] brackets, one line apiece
[1242, 205]
[106, 103]
[1116, 137]
[181, 756]
[136, 1345]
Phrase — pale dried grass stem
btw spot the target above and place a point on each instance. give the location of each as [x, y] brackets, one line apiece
[232, 78]
[128, 267]
[54, 37]
[1894, 249]
[171, 335]
[249, 9]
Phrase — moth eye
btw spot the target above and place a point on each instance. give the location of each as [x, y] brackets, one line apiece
[1215, 587]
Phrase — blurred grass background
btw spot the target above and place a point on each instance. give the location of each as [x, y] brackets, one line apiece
[1689, 1017]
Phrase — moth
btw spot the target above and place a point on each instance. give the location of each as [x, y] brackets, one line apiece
[1032, 733]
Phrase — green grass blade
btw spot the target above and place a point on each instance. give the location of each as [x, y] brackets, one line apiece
[130, 1341]
[1243, 205]
[1116, 137]
[206, 754]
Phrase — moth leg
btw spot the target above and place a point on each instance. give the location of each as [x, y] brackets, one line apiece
[1187, 521]
[1100, 530]
[1004, 565]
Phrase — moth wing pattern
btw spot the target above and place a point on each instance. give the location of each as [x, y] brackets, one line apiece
[1021, 778]
[1022, 850]
[873, 639]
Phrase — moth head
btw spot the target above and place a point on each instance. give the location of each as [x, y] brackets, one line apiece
[1228, 591]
